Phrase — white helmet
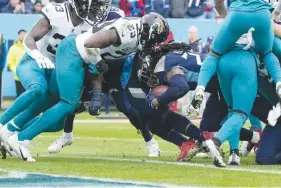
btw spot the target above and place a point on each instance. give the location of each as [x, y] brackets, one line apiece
[92, 11]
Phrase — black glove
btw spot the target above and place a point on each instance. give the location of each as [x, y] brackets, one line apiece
[95, 103]
[102, 67]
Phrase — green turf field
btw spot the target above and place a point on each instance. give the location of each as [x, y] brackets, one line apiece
[107, 150]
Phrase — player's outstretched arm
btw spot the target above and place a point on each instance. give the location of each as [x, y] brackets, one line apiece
[38, 31]
[102, 39]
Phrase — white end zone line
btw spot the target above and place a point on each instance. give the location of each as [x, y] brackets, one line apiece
[110, 121]
[168, 163]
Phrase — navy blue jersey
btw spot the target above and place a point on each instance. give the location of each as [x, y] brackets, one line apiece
[188, 62]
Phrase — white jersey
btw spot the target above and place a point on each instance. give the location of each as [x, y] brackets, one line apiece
[127, 30]
[62, 26]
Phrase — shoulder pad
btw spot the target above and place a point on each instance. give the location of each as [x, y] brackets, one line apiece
[53, 11]
[115, 13]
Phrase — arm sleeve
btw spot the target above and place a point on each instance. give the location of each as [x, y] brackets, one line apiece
[178, 87]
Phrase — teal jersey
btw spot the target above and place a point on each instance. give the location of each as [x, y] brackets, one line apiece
[249, 5]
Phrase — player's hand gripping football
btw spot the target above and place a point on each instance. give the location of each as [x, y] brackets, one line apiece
[194, 107]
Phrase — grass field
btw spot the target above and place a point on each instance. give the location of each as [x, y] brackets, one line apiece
[115, 150]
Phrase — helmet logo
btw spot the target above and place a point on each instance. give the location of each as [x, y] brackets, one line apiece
[158, 25]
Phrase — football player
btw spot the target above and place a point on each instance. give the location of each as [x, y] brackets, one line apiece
[41, 42]
[111, 84]
[112, 37]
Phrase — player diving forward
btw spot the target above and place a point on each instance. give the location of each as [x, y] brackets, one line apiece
[113, 40]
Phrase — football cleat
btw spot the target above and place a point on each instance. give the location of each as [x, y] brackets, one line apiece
[60, 143]
[215, 153]
[152, 148]
[188, 150]
[4, 135]
[246, 146]
[234, 158]
[20, 148]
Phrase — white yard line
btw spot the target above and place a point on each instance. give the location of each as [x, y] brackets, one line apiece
[99, 138]
[170, 163]
[109, 121]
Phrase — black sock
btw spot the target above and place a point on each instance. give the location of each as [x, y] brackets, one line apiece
[176, 138]
[68, 127]
[194, 132]
[146, 134]
[246, 135]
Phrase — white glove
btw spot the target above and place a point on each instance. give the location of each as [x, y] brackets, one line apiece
[195, 105]
[42, 61]
[274, 114]
[94, 55]
[276, 16]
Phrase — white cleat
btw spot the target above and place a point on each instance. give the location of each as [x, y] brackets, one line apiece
[246, 148]
[4, 135]
[20, 148]
[215, 153]
[62, 141]
[234, 159]
[152, 148]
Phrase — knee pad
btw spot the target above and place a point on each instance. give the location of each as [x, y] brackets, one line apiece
[37, 90]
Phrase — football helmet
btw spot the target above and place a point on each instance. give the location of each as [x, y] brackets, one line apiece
[92, 11]
[154, 30]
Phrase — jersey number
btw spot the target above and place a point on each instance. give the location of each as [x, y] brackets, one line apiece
[132, 31]
[52, 47]
[58, 8]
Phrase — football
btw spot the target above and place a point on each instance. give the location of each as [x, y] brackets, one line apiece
[159, 90]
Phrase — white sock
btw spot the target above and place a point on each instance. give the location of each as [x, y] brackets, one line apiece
[256, 137]
[68, 135]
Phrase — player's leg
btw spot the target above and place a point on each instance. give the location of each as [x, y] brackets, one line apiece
[264, 38]
[66, 138]
[269, 151]
[212, 119]
[70, 77]
[255, 123]
[34, 81]
[233, 27]
[123, 105]
[242, 98]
